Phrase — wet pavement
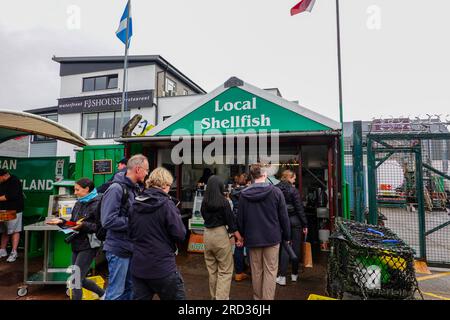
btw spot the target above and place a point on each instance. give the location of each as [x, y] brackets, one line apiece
[193, 270]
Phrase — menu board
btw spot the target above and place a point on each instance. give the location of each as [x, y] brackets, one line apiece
[103, 166]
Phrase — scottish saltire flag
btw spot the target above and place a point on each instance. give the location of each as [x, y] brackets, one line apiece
[302, 6]
[121, 32]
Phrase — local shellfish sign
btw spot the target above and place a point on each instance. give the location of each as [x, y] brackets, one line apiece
[244, 120]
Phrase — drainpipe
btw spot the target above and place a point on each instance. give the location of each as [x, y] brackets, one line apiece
[157, 87]
[157, 97]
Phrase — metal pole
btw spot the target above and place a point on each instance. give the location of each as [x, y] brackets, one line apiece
[372, 182]
[341, 116]
[25, 267]
[420, 203]
[358, 178]
[125, 66]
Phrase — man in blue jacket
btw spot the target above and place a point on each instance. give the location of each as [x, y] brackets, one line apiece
[263, 222]
[114, 218]
[155, 228]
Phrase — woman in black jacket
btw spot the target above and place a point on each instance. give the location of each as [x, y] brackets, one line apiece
[155, 227]
[84, 222]
[298, 221]
[216, 211]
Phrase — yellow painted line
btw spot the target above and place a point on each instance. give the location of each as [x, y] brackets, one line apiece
[435, 295]
[434, 276]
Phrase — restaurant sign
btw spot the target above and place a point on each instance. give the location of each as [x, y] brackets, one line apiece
[105, 102]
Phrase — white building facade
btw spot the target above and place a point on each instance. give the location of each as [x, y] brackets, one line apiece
[91, 97]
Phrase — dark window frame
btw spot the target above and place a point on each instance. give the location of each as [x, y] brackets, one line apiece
[97, 124]
[108, 79]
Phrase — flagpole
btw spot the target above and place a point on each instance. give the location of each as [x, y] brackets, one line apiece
[341, 117]
[125, 69]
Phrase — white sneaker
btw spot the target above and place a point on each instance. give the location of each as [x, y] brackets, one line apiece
[294, 277]
[281, 281]
[12, 257]
[3, 253]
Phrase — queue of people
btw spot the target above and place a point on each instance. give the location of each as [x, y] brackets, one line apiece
[264, 216]
[140, 230]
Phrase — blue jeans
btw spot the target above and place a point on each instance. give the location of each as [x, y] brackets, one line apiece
[120, 285]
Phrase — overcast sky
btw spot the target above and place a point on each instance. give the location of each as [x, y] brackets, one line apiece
[396, 53]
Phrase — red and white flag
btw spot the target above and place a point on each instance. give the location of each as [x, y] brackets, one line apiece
[304, 5]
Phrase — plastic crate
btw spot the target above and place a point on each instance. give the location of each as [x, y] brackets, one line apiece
[89, 295]
[317, 297]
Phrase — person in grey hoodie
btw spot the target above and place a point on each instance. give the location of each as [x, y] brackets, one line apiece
[263, 222]
[114, 219]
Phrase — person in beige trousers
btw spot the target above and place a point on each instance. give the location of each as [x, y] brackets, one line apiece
[217, 213]
[263, 222]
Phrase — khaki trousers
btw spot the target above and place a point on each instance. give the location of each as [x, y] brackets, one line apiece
[219, 262]
[264, 265]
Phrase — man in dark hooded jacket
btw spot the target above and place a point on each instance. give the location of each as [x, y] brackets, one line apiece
[263, 223]
[155, 228]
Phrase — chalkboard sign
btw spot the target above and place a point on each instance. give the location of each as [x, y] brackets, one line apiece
[103, 166]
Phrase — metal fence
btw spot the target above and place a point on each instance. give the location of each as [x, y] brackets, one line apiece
[409, 184]
[398, 172]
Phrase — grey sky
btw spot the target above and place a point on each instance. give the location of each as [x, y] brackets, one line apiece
[402, 68]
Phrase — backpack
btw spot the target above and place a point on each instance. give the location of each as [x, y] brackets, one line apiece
[101, 232]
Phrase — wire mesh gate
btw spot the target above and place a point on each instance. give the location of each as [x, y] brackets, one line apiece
[409, 185]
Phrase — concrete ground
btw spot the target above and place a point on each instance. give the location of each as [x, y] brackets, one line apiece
[192, 267]
[193, 270]
[435, 286]
[406, 225]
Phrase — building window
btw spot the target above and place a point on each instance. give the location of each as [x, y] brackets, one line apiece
[100, 83]
[37, 138]
[105, 128]
[170, 87]
[105, 125]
